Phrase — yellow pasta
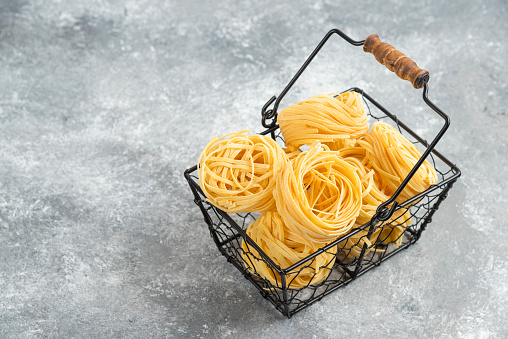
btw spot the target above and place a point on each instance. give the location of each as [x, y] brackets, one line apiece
[237, 172]
[285, 249]
[318, 195]
[328, 118]
[292, 153]
[392, 156]
[372, 197]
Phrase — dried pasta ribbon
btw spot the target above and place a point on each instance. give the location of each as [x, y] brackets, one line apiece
[328, 118]
[318, 195]
[392, 156]
[237, 172]
[292, 152]
[285, 249]
[372, 197]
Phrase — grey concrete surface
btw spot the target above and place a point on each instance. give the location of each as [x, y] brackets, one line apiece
[103, 104]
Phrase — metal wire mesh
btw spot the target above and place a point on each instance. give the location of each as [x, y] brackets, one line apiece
[353, 254]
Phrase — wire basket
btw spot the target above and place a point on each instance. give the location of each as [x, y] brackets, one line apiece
[394, 227]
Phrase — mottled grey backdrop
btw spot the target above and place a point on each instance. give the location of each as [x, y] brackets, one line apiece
[103, 104]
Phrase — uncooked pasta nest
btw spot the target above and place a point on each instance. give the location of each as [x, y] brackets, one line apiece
[285, 249]
[328, 118]
[237, 172]
[318, 195]
[392, 156]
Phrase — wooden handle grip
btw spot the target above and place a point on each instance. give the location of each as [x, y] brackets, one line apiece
[396, 61]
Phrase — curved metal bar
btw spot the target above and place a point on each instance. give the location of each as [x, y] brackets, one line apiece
[273, 112]
[267, 114]
[383, 213]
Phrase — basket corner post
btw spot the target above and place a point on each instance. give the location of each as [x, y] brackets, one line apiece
[285, 300]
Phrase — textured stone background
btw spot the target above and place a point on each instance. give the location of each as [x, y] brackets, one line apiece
[103, 104]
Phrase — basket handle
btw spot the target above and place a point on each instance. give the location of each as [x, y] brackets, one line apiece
[396, 61]
[404, 67]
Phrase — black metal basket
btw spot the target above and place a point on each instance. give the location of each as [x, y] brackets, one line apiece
[353, 256]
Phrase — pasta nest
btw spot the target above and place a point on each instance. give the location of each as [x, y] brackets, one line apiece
[393, 157]
[328, 118]
[284, 248]
[319, 195]
[237, 172]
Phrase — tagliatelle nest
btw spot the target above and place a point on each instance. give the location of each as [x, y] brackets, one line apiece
[284, 248]
[392, 156]
[319, 195]
[237, 172]
[328, 118]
